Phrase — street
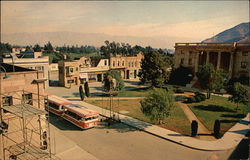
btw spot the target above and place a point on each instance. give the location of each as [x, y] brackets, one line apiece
[122, 142]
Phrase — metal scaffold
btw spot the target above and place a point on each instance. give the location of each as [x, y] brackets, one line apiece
[24, 127]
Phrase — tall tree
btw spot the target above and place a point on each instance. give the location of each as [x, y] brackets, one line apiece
[239, 94]
[157, 105]
[48, 47]
[86, 88]
[210, 79]
[154, 68]
[112, 74]
[204, 75]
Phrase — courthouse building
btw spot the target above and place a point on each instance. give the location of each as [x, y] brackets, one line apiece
[231, 57]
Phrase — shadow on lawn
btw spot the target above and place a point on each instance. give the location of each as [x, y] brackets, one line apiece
[233, 115]
[213, 108]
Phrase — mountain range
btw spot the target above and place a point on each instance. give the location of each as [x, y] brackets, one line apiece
[239, 33]
[93, 39]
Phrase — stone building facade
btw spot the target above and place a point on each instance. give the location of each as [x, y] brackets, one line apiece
[231, 57]
[78, 71]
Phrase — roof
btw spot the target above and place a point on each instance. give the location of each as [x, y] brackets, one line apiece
[58, 100]
[9, 68]
[80, 110]
[24, 110]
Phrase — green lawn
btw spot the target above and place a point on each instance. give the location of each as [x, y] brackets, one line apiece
[176, 122]
[140, 92]
[218, 108]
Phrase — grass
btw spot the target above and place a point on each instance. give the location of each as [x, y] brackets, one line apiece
[219, 108]
[177, 121]
[139, 92]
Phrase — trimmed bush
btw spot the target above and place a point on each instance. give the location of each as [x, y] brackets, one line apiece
[217, 129]
[81, 92]
[86, 88]
[194, 128]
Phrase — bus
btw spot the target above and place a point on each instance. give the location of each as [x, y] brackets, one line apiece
[77, 114]
[80, 116]
[56, 104]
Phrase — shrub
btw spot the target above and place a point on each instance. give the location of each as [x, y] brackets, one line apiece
[217, 129]
[190, 100]
[180, 98]
[194, 128]
[179, 90]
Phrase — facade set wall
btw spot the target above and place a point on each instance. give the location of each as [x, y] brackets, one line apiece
[40, 64]
[22, 87]
[128, 67]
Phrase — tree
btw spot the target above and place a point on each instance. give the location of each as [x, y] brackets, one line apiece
[108, 80]
[219, 80]
[181, 76]
[157, 105]
[48, 47]
[154, 68]
[37, 48]
[239, 94]
[194, 128]
[217, 128]
[81, 92]
[86, 88]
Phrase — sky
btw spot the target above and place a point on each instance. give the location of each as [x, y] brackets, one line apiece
[175, 20]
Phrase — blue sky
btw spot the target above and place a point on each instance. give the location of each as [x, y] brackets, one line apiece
[183, 20]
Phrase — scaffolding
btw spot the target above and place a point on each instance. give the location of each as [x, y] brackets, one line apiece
[25, 127]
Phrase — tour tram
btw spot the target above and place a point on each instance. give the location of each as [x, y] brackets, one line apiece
[77, 114]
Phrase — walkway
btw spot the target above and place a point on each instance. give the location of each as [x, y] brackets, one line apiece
[230, 139]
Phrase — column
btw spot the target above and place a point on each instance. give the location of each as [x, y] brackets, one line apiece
[207, 57]
[231, 65]
[218, 61]
[196, 62]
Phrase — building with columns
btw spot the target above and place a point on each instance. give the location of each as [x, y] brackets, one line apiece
[231, 57]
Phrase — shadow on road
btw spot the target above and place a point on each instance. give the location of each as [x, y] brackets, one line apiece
[119, 127]
[61, 123]
[242, 150]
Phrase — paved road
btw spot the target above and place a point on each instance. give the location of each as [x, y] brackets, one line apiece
[125, 143]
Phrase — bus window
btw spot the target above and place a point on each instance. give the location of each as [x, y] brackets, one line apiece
[73, 115]
[53, 105]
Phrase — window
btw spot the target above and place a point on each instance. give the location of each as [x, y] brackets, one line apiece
[38, 68]
[182, 52]
[7, 101]
[245, 53]
[53, 105]
[128, 64]
[136, 63]
[244, 65]
[70, 81]
[73, 115]
[105, 62]
[113, 63]
[132, 64]
[122, 63]
[76, 68]
[118, 63]
[71, 69]
[182, 61]
[27, 98]
[190, 61]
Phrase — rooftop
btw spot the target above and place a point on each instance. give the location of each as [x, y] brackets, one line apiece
[4, 67]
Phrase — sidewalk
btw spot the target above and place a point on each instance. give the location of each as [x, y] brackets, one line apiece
[65, 149]
[230, 139]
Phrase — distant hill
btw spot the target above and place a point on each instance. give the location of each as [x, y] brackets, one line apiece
[94, 39]
[239, 33]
